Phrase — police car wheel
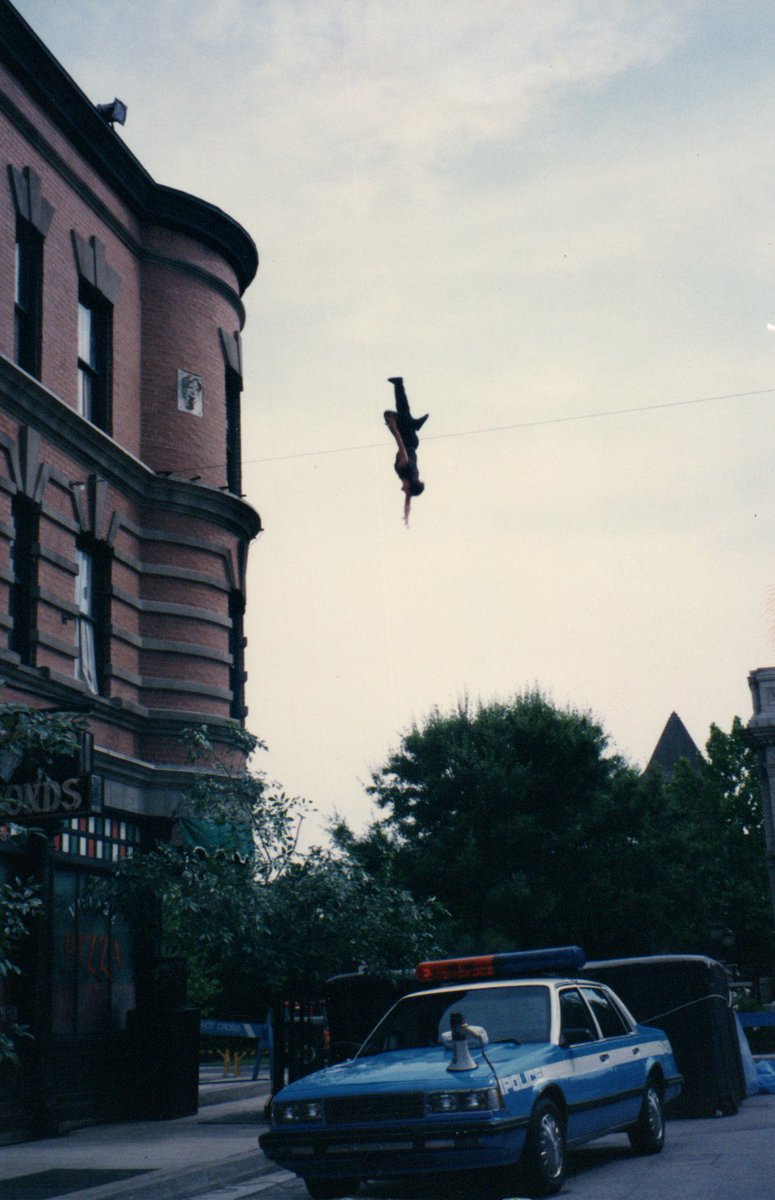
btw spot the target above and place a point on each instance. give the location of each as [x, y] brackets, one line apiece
[543, 1158]
[331, 1189]
[647, 1135]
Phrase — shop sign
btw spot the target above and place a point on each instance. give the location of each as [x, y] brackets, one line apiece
[67, 788]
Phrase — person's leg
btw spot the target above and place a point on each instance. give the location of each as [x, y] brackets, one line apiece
[391, 420]
[402, 404]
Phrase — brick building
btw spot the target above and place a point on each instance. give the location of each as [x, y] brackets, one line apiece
[123, 534]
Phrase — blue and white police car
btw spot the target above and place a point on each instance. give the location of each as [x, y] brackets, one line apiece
[502, 1061]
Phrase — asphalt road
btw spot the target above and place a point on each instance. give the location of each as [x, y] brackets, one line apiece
[722, 1158]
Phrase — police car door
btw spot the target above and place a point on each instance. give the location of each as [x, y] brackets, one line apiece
[624, 1050]
[587, 1071]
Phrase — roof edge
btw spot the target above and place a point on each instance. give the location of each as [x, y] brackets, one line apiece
[77, 118]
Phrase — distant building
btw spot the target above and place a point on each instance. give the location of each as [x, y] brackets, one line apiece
[123, 535]
[674, 744]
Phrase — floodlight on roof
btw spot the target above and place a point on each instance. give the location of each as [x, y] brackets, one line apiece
[114, 113]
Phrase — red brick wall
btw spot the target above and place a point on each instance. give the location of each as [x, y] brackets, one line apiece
[175, 544]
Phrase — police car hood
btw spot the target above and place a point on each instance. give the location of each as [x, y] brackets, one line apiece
[426, 1068]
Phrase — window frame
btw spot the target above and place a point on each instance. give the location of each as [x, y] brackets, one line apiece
[23, 558]
[590, 1024]
[233, 432]
[587, 991]
[92, 624]
[28, 297]
[95, 357]
[237, 644]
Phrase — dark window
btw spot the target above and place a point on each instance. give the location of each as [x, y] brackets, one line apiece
[95, 352]
[24, 566]
[92, 962]
[233, 434]
[28, 291]
[574, 1013]
[608, 1018]
[92, 598]
[237, 652]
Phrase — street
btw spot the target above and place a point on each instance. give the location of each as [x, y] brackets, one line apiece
[722, 1158]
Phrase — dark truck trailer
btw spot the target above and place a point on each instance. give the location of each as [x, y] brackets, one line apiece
[688, 996]
[356, 1002]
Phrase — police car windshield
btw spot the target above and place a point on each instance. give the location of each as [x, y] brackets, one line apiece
[515, 1013]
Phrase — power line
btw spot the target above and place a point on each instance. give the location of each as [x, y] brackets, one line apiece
[434, 437]
[590, 416]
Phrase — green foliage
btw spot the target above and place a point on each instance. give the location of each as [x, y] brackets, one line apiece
[327, 915]
[40, 737]
[518, 821]
[499, 811]
[721, 808]
[227, 793]
[253, 932]
[38, 734]
[206, 905]
[19, 901]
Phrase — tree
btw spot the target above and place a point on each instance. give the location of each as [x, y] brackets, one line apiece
[196, 899]
[326, 915]
[18, 902]
[501, 812]
[39, 737]
[518, 820]
[726, 803]
[253, 928]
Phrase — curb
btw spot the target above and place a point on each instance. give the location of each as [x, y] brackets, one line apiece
[226, 1093]
[175, 1184]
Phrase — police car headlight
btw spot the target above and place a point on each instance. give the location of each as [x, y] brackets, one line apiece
[299, 1110]
[475, 1100]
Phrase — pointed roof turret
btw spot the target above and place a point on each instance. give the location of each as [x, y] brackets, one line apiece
[675, 743]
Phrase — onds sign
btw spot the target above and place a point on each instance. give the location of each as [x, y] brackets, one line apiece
[66, 788]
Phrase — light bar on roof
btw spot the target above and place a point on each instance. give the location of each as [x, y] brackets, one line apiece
[558, 960]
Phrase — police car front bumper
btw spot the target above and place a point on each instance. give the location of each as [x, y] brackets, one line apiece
[396, 1150]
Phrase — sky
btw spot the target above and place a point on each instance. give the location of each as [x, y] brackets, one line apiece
[557, 223]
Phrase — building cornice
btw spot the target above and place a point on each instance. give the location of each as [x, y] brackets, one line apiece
[71, 111]
[98, 454]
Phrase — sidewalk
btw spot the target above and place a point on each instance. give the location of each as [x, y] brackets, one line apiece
[148, 1160]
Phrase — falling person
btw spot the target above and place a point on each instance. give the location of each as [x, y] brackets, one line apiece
[404, 428]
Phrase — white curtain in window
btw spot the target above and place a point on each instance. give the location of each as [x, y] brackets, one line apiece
[86, 360]
[86, 662]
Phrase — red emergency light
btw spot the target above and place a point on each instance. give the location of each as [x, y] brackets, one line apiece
[559, 960]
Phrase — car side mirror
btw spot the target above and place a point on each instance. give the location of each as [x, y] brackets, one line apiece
[573, 1036]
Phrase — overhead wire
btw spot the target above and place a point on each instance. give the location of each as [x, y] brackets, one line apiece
[588, 416]
[532, 424]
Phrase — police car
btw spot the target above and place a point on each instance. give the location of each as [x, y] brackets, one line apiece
[501, 1061]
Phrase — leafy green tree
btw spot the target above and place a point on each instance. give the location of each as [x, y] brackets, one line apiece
[240, 802]
[254, 928]
[37, 737]
[523, 826]
[502, 812]
[730, 896]
[197, 898]
[19, 901]
[327, 915]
